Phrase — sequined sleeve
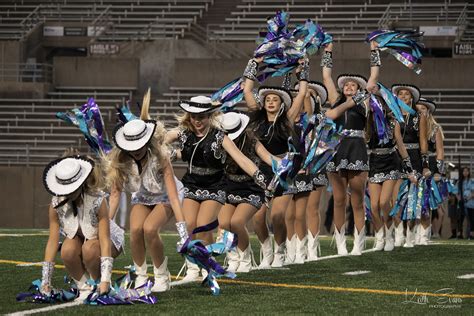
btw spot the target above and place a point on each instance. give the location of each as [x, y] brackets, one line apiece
[219, 152]
[182, 138]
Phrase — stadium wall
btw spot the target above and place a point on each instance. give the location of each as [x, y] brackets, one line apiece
[437, 72]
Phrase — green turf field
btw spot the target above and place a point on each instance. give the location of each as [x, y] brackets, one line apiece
[318, 287]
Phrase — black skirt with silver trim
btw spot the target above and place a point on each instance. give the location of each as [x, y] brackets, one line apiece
[320, 180]
[351, 155]
[384, 167]
[239, 192]
[303, 184]
[200, 187]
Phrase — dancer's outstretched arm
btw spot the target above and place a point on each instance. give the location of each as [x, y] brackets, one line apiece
[50, 251]
[244, 162]
[375, 64]
[105, 248]
[439, 144]
[171, 190]
[423, 137]
[249, 77]
[339, 110]
[302, 73]
[326, 63]
[114, 200]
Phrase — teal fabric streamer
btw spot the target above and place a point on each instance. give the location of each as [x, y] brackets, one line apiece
[89, 121]
[281, 50]
[326, 140]
[404, 46]
[402, 199]
[394, 103]
[124, 113]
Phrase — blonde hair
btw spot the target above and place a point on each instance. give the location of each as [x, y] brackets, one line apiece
[184, 120]
[119, 163]
[433, 125]
[96, 180]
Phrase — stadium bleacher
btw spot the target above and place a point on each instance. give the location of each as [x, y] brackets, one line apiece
[30, 133]
[35, 131]
[121, 20]
[345, 21]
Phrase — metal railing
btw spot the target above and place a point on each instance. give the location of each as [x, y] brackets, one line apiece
[217, 42]
[462, 22]
[384, 19]
[100, 24]
[30, 21]
[26, 72]
[394, 12]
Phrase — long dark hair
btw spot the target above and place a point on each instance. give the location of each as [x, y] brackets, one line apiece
[281, 129]
[370, 126]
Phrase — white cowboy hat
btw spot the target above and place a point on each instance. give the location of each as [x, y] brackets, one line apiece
[415, 92]
[234, 123]
[64, 176]
[319, 88]
[198, 104]
[360, 80]
[430, 105]
[283, 93]
[134, 134]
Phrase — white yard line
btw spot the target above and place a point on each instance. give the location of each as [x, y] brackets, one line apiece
[451, 243]
[47, 309]
[358, 272]
[23, 235]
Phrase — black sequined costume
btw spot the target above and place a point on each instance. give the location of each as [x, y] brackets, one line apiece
[384, 161]
[240, 187]
[204, 179]
[432, 150]
[276, 145]
[410, 133]
[352, 152]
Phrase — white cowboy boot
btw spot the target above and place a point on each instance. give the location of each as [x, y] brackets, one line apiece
[140, 271]
[410, 240]
[359, 242]
[301, 248]
[84, 288]
[204, 274]
[379, 240]
[417, 231]
[341, 241]
[313, 247]
[192, 271]
[290, 250]
[389, 241]
[232, 260]
[424, 235]
[266, 254]
[279, 255]
[399, 235]
[245, 260]
[162, 277]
